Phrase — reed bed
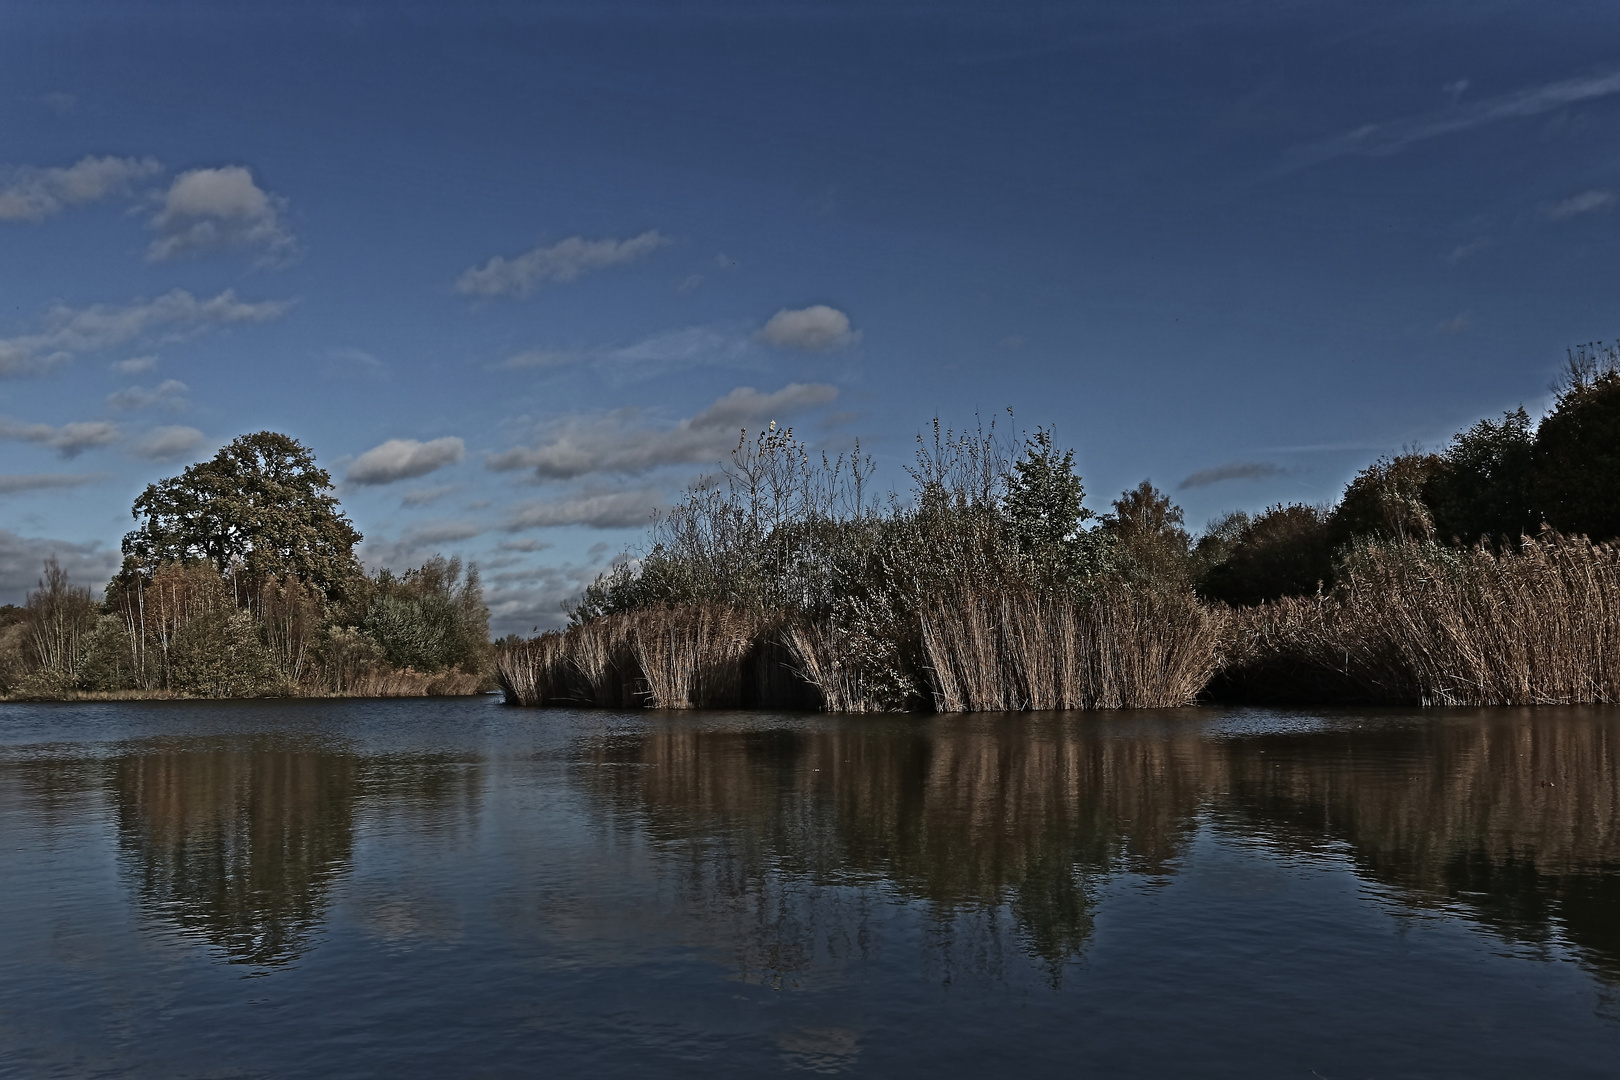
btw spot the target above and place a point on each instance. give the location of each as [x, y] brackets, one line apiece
[1127, 648]
[1415, 623]
[692, 656]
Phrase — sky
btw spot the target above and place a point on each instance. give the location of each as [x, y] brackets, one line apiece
[519, 273]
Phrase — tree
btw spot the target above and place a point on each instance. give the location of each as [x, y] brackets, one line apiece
[1385, 500]
[1482, 486]
[1577, 449]
[1149, 529]
[1286, 551]
[1044, 495]
[261, 506]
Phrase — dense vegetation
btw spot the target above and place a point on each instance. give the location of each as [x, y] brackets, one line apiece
[241, 581]
[1479, 574]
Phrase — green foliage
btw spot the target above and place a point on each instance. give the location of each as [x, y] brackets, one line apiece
[1385, 501]
[1286, 551]
[1482, 486]
[1577, 448]
[261, 504]
[431, 618]
[1152, 542]
[1045, 498]
[218, 654]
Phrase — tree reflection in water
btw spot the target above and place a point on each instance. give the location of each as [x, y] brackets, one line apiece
[1510, 815]
[240, 841]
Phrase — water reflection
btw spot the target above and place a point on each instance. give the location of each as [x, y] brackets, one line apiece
[239, 841]
[1513, 816]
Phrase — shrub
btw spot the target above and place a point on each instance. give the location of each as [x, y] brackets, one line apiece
[1286, 551]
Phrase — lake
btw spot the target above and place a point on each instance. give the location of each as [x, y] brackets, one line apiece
[449, 887]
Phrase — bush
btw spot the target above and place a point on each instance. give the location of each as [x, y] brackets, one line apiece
[1286, 551]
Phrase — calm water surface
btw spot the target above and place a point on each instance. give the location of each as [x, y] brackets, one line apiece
[451, 888]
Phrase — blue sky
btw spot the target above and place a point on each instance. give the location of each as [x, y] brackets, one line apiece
[518, 272]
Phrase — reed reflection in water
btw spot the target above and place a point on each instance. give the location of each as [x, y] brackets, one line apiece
[1510, 815]
[444, 888]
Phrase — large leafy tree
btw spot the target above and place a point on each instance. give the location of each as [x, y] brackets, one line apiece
[1577, 450]
[261, 505]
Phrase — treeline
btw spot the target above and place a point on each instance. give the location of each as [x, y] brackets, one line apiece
[1482, 574]
[241, 581]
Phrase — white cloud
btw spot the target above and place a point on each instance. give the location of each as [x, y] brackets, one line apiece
[1454, 325]
[167, 443]
[813, 329]
[1387, 138]
[417, 542]
[562, 262]
[22, 559]
[405, 459]
[688, 345]
[620, 442]
[1235, 470]
[10, 485]
[174, 316]
[1584, 203]
[135, 365]
[169, 394]
[598, 509]
[31, 194]
[69, 440]
[209, 210]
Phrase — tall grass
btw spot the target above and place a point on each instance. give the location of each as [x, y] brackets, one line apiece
[1413, 622]
[1124, 648]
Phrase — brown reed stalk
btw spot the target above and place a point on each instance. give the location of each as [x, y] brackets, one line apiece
[1016, 650]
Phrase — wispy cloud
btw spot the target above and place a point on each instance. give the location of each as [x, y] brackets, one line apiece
[1233, 470]
[596, 509]
[33, 194]
[536, 358]
[169, 394]
[1454, 325]
[1584, 203]
[625, 441]
[560, 263]
[425, 496]
[1463, 251]
[174, 316]
[212, 210]
[10, 485]
[405, 459]
[69, 440]
[1395, 135]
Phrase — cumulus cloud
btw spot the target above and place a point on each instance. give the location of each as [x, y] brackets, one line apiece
[562, 262]
[10, 485]
[135, 365]
[596, 509]
[167, 443]
[69, 440]
[208, 210]
[405, 459]
[816, 328]
[31, 194]
[532, 599]
[1388, 138]
[1584, 203]
[169, 394]
[1235, 470]
[623, 442]
[22, 559]
[174, 316]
